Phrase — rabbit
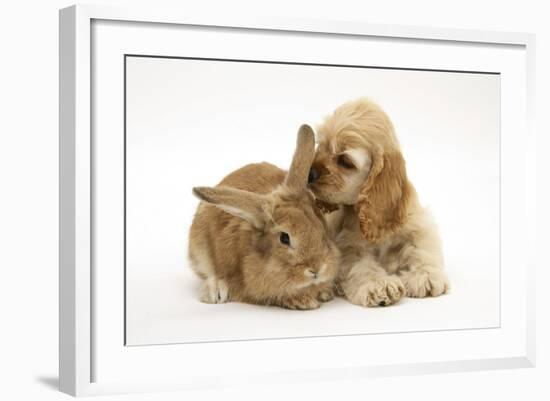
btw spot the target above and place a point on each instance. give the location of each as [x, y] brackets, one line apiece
[258, 236]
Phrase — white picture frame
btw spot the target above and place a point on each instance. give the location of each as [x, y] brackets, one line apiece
[86, 351]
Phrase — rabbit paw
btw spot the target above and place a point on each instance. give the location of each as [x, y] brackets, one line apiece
[303, 302]
[382, 291]
[325, 295]
[338, 289]
[422, 284]
[214, 291]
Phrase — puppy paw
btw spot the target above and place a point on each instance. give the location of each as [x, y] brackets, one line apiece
[301, 303]
[382, 291]
[423, 284]
[214, 291]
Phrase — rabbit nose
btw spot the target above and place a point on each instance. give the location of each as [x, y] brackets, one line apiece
[312, 273]
[313, 175]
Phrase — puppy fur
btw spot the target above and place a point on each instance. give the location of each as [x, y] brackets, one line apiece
[389, 243]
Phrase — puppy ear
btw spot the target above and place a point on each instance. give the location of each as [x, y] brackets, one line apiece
[246, 205]
[383, 202]
[296, 179]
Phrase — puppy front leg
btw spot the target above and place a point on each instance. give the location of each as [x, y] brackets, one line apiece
[423, 275]
[368, 284]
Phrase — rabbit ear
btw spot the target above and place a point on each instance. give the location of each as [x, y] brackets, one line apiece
[296, 179]
[384, 198]
[246, 205]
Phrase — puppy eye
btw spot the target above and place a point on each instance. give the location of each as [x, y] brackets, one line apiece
[345, 162]
[285, 239]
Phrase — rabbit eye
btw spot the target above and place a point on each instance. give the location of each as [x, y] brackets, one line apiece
[284, 238]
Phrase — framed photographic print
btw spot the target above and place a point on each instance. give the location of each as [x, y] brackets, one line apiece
[278, 200]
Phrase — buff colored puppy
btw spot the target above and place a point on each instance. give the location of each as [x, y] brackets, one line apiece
[389, 243]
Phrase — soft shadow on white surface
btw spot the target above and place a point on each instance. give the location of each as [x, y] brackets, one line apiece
[168, 311]
[51, 382]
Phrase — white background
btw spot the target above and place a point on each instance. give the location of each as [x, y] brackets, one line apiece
[191, 122]
[29, 215]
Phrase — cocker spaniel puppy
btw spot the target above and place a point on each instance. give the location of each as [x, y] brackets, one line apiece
[389, 242]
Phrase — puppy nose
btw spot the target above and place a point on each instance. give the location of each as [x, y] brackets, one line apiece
[313, 175]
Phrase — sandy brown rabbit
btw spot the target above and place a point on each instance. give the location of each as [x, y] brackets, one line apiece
[258, 236]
